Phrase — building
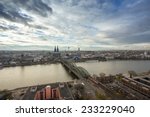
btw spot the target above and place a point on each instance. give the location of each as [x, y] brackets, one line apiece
[1, 65]
[139, 84]
[48, 93]
[56, 53]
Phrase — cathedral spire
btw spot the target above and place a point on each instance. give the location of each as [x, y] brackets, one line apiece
[55, 49]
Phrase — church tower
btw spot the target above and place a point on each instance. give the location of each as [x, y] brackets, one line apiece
[55, 49]
[56, 53]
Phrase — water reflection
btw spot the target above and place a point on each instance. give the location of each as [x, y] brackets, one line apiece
[14, 77]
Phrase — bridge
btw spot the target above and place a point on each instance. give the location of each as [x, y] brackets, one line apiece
[78, 72]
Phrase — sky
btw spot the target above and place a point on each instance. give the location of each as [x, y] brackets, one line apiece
[73, 24]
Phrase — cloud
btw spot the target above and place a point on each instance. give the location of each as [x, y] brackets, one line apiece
[13, 14]
[36, 6]
[88, 24]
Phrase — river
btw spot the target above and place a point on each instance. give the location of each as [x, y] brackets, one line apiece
[14, 77]
[115, 67]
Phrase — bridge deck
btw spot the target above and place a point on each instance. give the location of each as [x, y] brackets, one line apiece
[70, 67]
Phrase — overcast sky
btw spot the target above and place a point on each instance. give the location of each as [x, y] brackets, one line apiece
[88, 24]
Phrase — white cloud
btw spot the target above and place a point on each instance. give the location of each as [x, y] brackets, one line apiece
[74, 23]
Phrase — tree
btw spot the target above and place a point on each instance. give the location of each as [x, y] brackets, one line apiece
[100, 96]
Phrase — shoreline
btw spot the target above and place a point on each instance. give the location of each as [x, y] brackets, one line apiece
[47, 63]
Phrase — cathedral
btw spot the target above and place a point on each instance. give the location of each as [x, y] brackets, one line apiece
[56, 53]
[56, 49]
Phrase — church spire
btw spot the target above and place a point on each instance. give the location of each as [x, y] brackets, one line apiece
[55, 49]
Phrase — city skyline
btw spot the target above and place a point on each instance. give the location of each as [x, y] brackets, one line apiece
[88, 24]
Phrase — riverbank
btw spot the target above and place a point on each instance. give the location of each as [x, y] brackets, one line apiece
[75, 61]
[23, 65]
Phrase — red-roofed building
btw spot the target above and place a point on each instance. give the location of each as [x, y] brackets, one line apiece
[48, 94]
